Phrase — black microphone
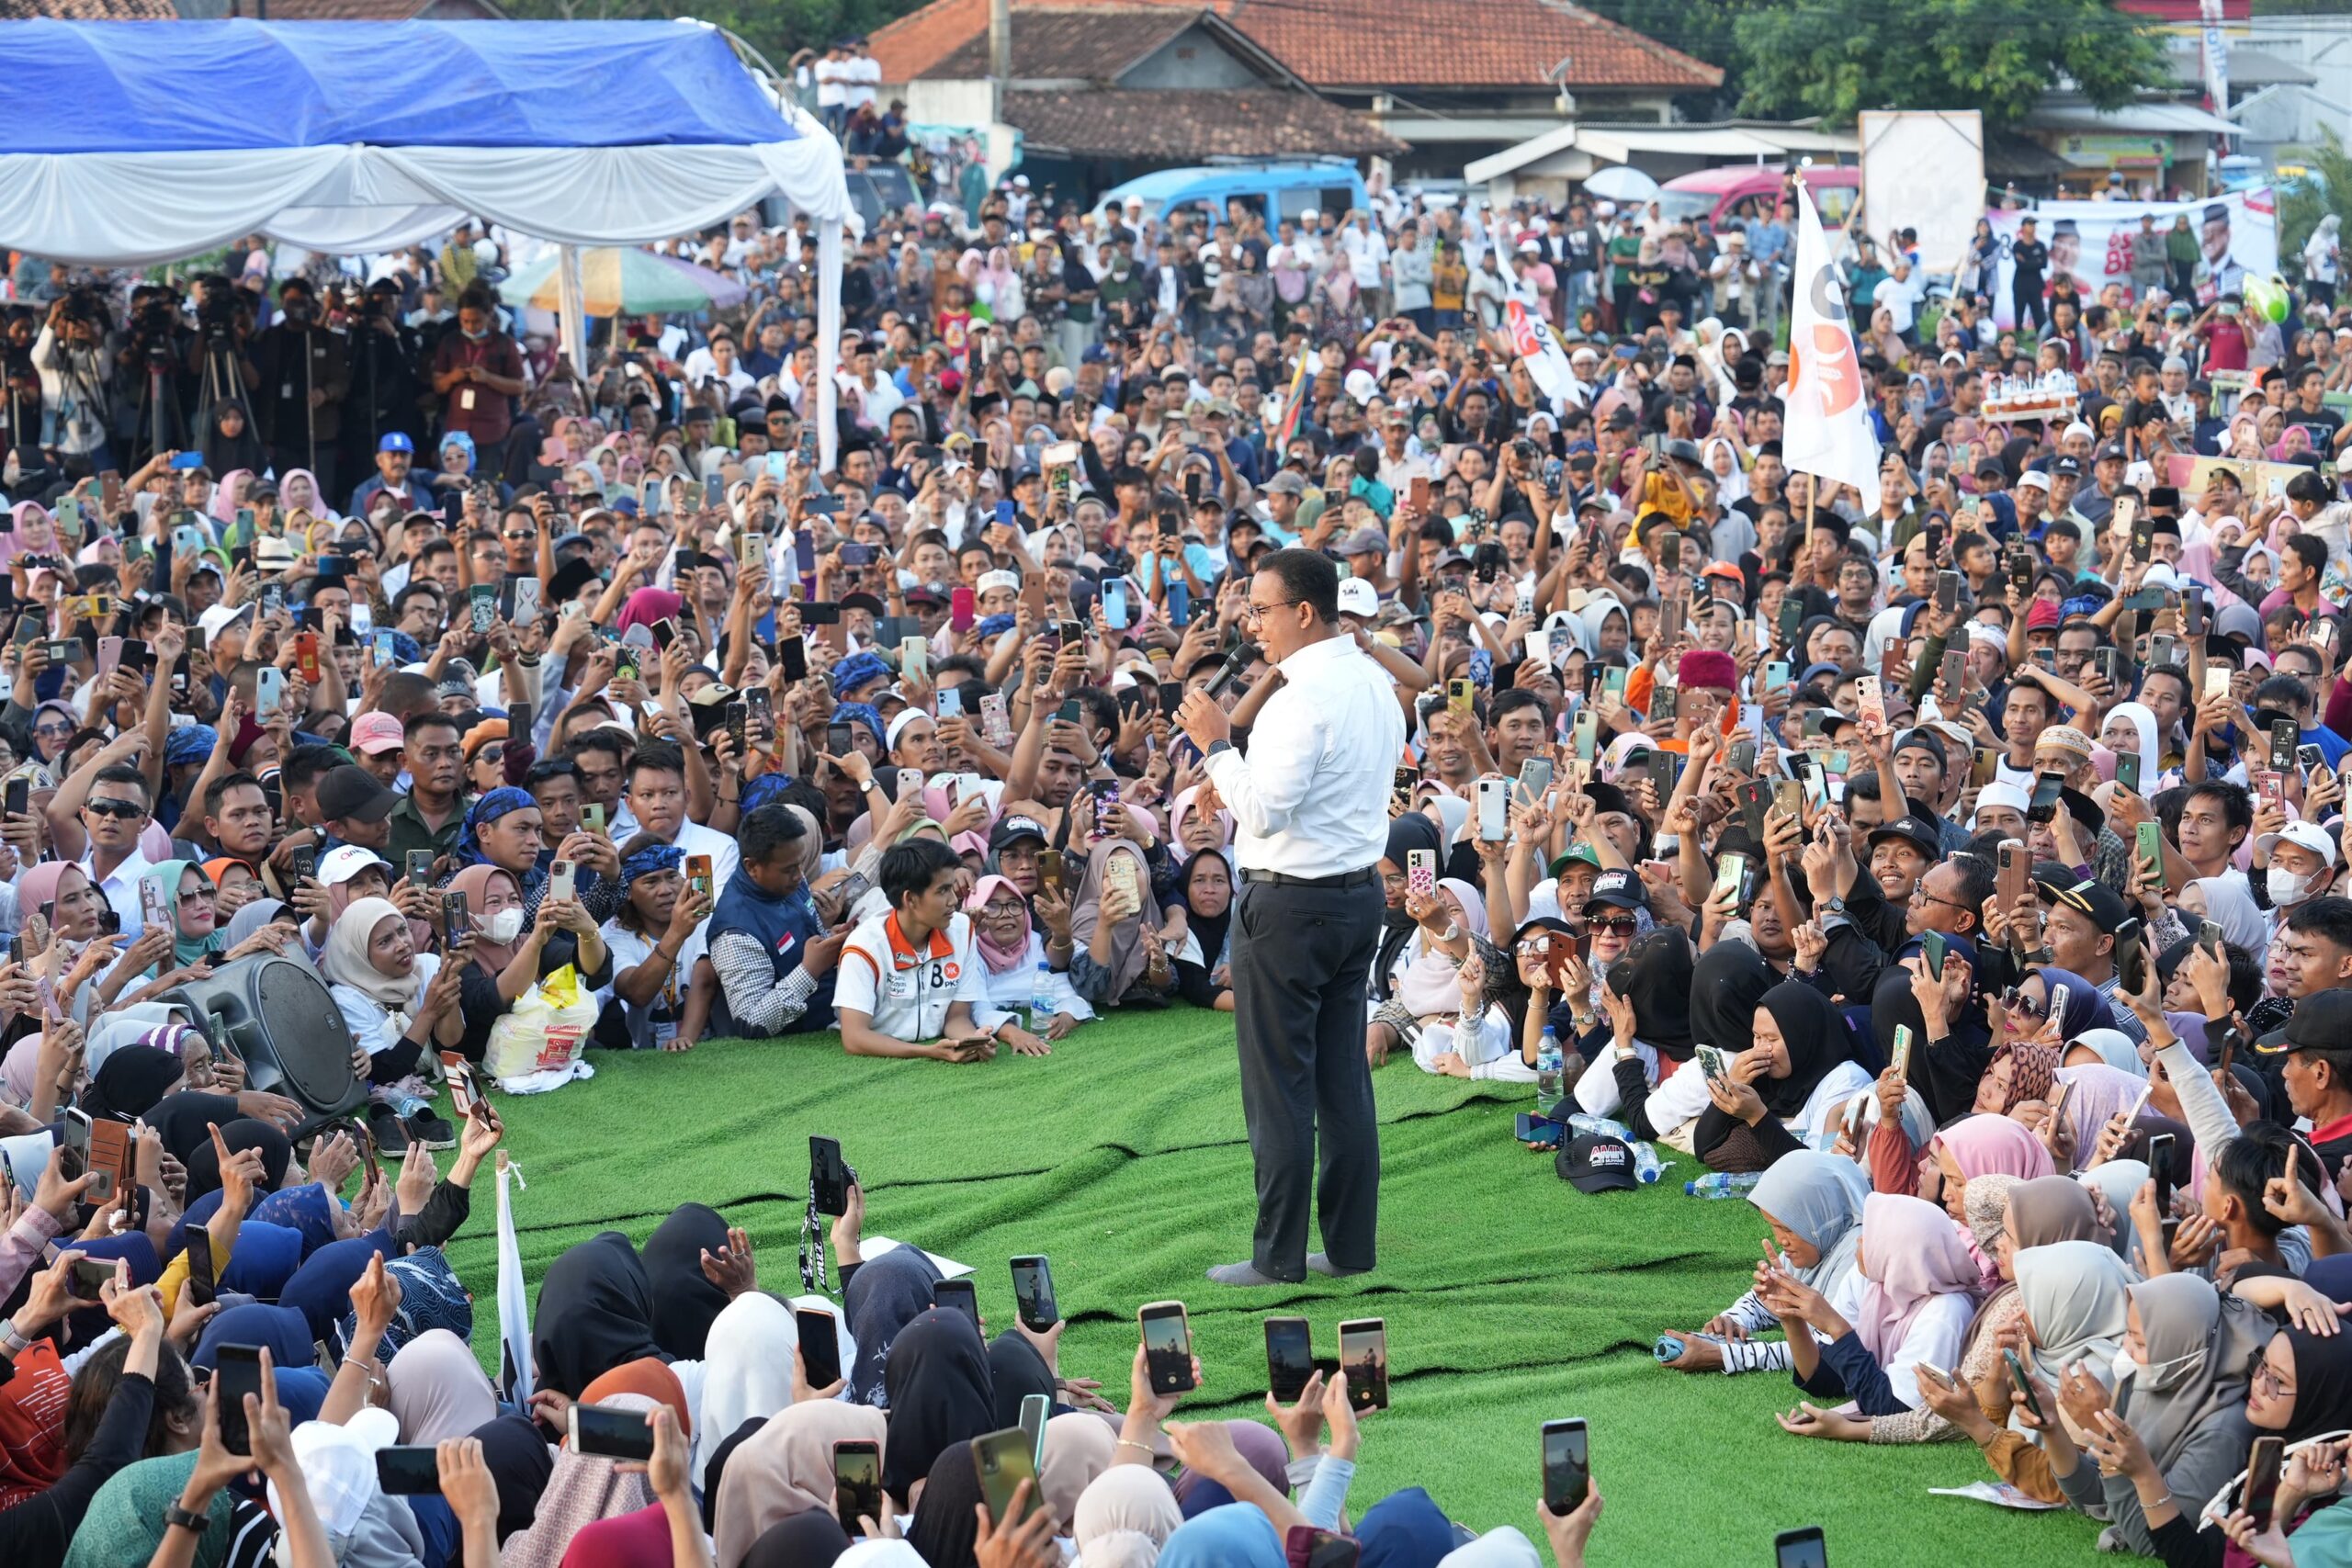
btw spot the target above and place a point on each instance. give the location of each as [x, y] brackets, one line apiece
[1230, 671]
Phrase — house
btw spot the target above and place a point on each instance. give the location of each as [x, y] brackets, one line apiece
[1452, 84]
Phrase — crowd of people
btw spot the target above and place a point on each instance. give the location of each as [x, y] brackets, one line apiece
[1963, 876]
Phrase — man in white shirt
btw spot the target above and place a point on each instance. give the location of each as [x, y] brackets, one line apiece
[112, 817]
[911, 982]
[656, 797]
[1311, 803]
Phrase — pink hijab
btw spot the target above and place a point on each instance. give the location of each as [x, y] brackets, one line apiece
[1182, 811]
[647, 605]
[1995, 1146]
[999, 960]
[1911, 1252]
[224, 494]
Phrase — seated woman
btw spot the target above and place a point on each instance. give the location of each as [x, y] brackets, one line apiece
[1508, 1001]
[186, 945]
[658, 1000]
[1016, 969]
[1203, 903]
[1120, 958]
[1646, 995]
[402, 1008]
[1971, 1146]
[1426, 993]
[1909, 1302]
[1813, 1201]
[507, 959]
[1785, 1091]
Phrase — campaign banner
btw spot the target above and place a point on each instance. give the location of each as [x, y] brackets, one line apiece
[2238, 235]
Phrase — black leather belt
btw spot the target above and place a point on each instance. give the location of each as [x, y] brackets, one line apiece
[1340, 879]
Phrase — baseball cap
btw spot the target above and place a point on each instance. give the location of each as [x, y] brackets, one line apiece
[350, 793]
[219, 617]
[396, 441]
[1287, 482]
[1920, 835]
[2303, 836]
[1595, 1162]
[1364, 541]
[1358, 597]
[2093, 897]
[1013, 830]
[374, 732]
[1618, 890]
[1577, 853]
[2321, 1022]
[343, 863]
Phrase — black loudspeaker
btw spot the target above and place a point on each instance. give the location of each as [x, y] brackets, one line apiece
[277, 1013]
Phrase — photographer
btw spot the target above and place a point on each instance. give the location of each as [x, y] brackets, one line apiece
[76, 365]
[299, 377]
[384, 396]
[151, 382]
[218, 356]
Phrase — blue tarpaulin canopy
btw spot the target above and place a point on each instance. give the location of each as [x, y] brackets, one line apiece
[131, 143]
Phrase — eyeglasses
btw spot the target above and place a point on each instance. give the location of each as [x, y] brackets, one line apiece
[122, 808]
[2015, 1000]
[1626, 924]
[1253, 612]
[1919, 890]
[201, 895]
[52, 729]
[2264, 1372]
[516, 534]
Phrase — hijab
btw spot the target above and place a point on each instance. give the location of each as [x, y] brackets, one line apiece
[936, 1375]
[520, 1462]
[2085, 1009]
[321, 1289]
[1820, 1197]
[346, 963]
[595, 1311]
[436, 1389]
[639, 1539]
[685, 1301]
[646, 605]
[306, 1207]
[1123, 1518]
[580, 1489]
[2049, 1210]
[1015, 1371]
[1814, 1035]
[474, 883]
[1079, 1446]
[124, 1523]
[2229, 905]
[1911, 1252]
[649, 1377]
[747, 1372]
[1209, 931]
[2073, 1293]
[1656, 975]
[1404, 1529]
[197, 1153]
[256, 915]
[2032, 1068]
[1984, 1144]
[1238, 1535]
[2322, 1382]
[999, 960]
[1728, 983]
[1128, 959]
[280, 1329]
[944, 1529]
[130, 1082]
[2201, 1346]
[2117, 1181]
[786, 1468]
[884, 1295]
[1408, 833]
[814, 1540]
[2097, 1092]
[166, 875]
[2115, 1050]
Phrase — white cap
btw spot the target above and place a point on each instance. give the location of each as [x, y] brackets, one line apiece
[1358, 597]
[988, 580]
[2078, 428]
[2303, 836]
[1998, 794]
[343, 863]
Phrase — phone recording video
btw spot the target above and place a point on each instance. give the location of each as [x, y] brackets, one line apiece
[1166, 1347]
[1032, 1294]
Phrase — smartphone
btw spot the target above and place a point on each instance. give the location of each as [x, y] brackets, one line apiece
[2284, 738]
[914, 656]
[858, 1483]
[1947, 593]
[2044, 805]
[1534, 778]
[700, 878]
[483, 611]
[829, 1176]
[820, 1351]
[1363, 1358]
[1032, 1294]
[560, 879]
[1731, 876]
[2159, 1157]
[1420, 873]
[1933, 946]
[2149, 841]
[592, 817]
[1036, 1409]
[2209, 937]
[1664, 766]
[1902, 1052]
[419, 866]
[960, 1295]
[1870, 701]
[1802, 1548]
[1588, 735]
[2024, 1387]
[90, 1276]
[1051, 869]
[2014, 870]
[2261, 1494]
[1529, 1128]
[1713, 1062]
[456, 917]
[1290, 1358]
[202, 1281]
[1612, 682]
[304, 863]
[110, 1161]
[1788, 795]
[237, 1372]
[1166, 1347]
[20, 797]
[1568, 1465]
[405, 1471]
[1462, 695]
[1494, 812]
[1004, 1460]
[269, 692]
[611, 1432]
[2127, 773]
[75, 1139]
[527, 601]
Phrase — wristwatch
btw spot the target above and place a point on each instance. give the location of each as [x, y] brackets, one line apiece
[174, 1514]
[1836, 906]
[12, 1342]
[1216, 746]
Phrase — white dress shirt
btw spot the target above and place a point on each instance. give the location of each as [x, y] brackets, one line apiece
[122, 889]
[1311, 798]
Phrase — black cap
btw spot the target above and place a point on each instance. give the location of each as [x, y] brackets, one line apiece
[1919, 834]
[1619, 890]
[1595, 1162]
[2070, 467]
[2103, 904]
[1011, 830]
[350, 793]
[2321, 1022]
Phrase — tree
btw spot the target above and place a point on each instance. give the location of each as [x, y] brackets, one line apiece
[2325, 186]
[2000, 56]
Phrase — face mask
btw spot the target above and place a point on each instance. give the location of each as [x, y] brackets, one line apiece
[2124, 1366]
[2285, 887]
[503, 927]
[477, 337]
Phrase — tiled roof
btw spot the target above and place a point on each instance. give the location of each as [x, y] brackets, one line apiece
[1359, 44]
[88, 10]
[1184, 125]
[1090, 43]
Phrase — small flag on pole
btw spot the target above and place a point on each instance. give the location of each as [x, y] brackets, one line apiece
[1293, 404]
[1828, 432]
[514, 1301]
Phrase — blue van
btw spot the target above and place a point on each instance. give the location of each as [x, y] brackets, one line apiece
[1278, 190]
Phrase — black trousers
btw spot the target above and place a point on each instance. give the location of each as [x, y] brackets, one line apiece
[1300, 959]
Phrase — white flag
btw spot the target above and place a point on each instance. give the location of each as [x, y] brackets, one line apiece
[1828, 432]
[514, 1301]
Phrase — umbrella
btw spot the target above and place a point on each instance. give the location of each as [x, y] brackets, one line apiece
[614, 281]
[1622, 182]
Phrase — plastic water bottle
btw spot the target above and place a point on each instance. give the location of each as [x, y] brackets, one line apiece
[1582, 1125]
[1041, 998]
[1547, 1072]
[1647, 1165]
[1723, 1184]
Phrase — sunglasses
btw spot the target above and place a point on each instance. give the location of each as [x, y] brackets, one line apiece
[122, 808]
[1626, 924]
[2015, 1000]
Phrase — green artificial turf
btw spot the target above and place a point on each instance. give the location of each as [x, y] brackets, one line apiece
[1510, 1298]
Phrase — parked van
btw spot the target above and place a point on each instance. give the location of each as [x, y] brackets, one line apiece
[1276, 190]
[1740, 191]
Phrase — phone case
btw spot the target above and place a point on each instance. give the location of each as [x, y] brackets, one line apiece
[1420, 873]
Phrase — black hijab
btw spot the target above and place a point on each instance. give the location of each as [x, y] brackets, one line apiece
[1815, 1032]
[1209, 929]
[884, 1296]
[1655, 977]
[1406, 833]
[2323, 1383]
[685, 1301]
[185, 1120]
[519, 1462]
[204, 1165]
[132, 1082]
[1015, 1371]
[813, 1539]
[940, 1394]
[595, 1313]
[1727, 984]
[224, 454]
[946, 1531]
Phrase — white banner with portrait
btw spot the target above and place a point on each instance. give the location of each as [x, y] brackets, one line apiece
[2236, 234]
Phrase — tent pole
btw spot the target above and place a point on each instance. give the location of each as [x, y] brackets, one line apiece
[572, 328]
[829, 340]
